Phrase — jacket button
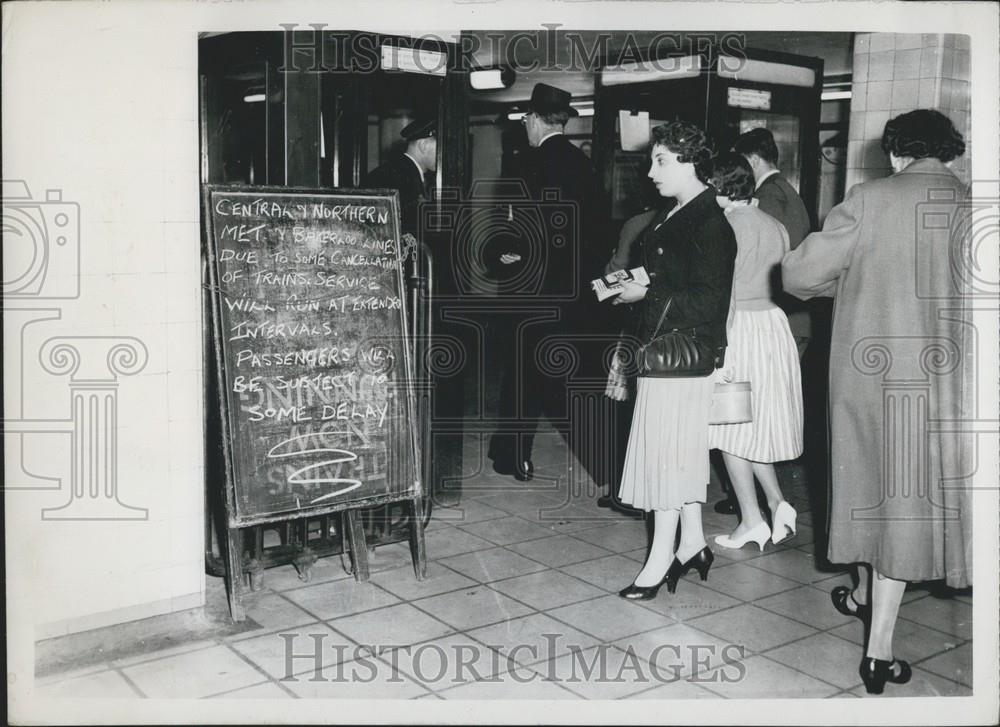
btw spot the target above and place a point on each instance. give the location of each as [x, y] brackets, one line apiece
[659, 251]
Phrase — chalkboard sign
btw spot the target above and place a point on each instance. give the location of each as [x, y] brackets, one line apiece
[314, 366]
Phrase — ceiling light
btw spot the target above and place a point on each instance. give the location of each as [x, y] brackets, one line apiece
[485, 79]
[657, 69]
[413, 60]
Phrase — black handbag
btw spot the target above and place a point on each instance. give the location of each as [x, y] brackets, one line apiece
[678, 353]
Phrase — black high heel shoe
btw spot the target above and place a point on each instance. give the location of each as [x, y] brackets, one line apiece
[641, 593]
[700, 561]
[840, 596]
[876, 672]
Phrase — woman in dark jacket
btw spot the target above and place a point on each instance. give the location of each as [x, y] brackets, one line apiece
[689, 254]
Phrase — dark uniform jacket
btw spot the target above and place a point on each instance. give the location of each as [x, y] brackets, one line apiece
[401, 173]
[567, 208]
[780, 200]
[690, 259]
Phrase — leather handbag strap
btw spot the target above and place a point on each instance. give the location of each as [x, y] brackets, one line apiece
[663, 317]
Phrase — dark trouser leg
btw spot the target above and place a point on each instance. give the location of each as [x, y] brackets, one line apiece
[504, 442]
[521, 390]
[539, 390]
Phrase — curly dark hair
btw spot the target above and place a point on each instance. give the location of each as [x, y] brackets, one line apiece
[689, 143]
[922, 133]
[732, 176]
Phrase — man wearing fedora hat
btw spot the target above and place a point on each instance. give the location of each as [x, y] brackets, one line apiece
[405, 172]
[557, 173]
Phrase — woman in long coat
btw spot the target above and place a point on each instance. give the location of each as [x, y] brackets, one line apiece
[899, 364]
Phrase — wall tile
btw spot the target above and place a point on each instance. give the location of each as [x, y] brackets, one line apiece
[932, 40]
[182, 247]
[882, 41]
[133, 249]
[879, 96]
[855, 154]
[962, 42]
[904, 95]
[873, 124]
[184, 395]
[908, 40]
[183, 299]
[859, 69]
[181, 202]
[928, 94]
[859, 97]
[862, 43]
[141, 398]
[183, 347]
[880, 66]
[959, 95]
[856, 127]
[962, 68]
[186, 443]
[947, 62]
[944, 94]
[95, 250]
[874, 156]
[140, 298]
[907, 65]
[930, 62]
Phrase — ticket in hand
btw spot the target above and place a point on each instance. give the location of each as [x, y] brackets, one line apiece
[610, 285]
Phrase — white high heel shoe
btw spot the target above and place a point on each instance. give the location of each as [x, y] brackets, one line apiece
[783, 520]
[758, 533]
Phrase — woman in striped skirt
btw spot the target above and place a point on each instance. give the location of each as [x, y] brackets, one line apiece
[761, 351]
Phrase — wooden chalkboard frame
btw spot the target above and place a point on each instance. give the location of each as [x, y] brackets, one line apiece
[409, 400]
[353, 532]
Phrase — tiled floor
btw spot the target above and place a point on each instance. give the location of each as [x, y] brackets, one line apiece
[519, 602]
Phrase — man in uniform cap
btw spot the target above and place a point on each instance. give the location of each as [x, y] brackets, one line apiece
[570, 256]
[405, 172]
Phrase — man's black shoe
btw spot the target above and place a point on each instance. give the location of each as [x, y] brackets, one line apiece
[522, 471]
[606, 501]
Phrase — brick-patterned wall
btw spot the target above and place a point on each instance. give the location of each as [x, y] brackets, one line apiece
[899, 72]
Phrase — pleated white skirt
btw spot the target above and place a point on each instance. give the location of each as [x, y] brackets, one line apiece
[762, 351]
[666, 463]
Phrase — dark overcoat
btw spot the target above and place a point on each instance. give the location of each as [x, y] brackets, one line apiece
[401, 173]
[562, 231]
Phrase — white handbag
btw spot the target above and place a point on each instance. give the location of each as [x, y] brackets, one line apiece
[731, 403]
